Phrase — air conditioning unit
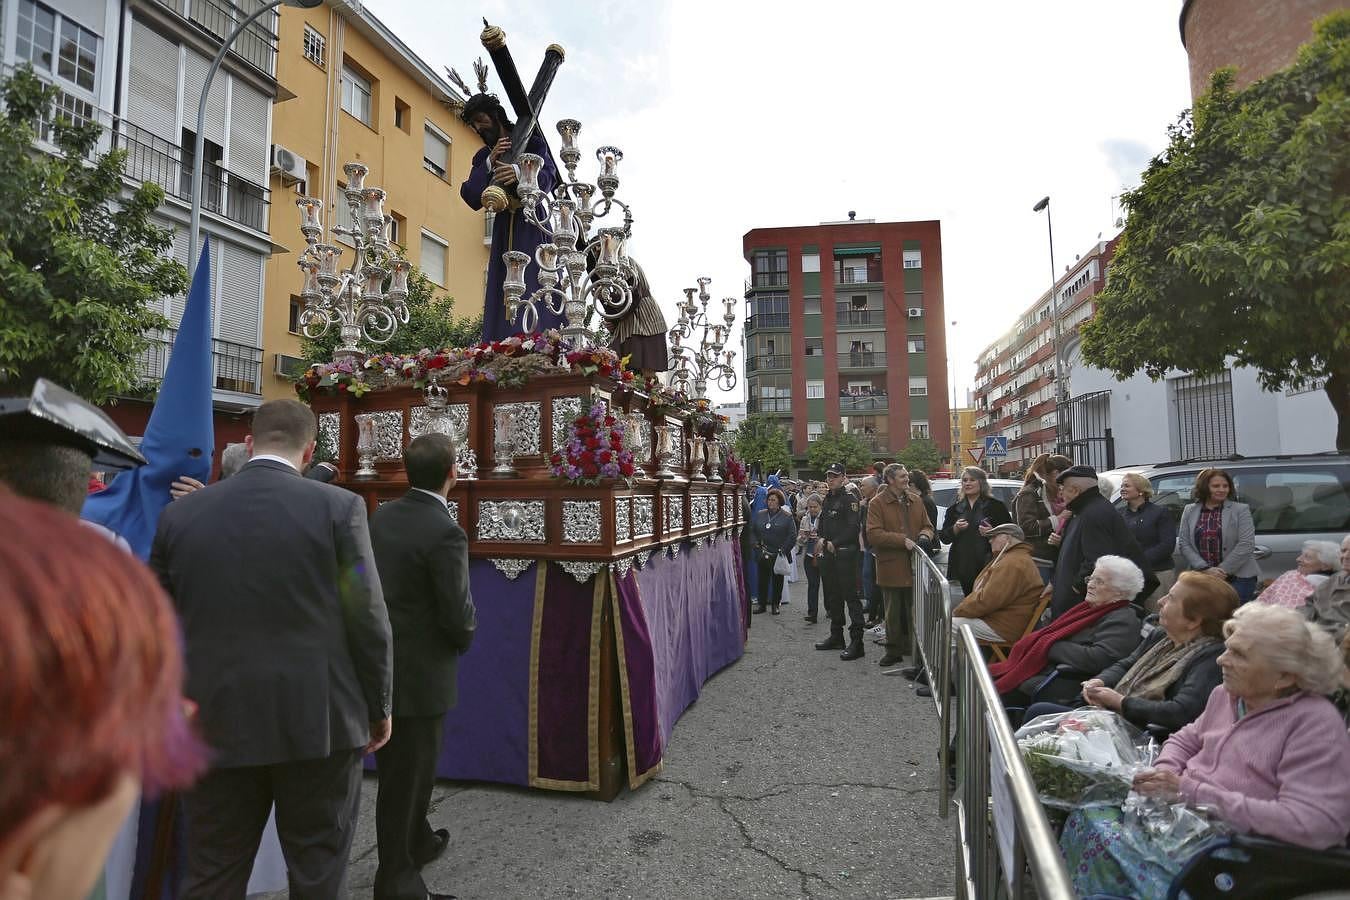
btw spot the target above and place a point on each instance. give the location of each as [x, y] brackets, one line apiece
[288, 163]
[289, 366]
[916, 312]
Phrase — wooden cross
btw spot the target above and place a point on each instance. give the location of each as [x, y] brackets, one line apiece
[527, 106]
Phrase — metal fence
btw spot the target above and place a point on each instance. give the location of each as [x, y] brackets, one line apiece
[1085, 423]
[234, 367]
[1204, 415]
[1003, 835]
[257, 45]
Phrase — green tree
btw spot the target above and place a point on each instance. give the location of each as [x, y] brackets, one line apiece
[762, 442]
[1238, 240]
[921, 454]
[835, 446]
[431, 326]
[81, 265]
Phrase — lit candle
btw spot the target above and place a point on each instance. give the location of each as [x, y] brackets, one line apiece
[328, 259]
[610, 241]
[568, 129]
[310, 207]
[310, 270]
[609, 160]
[373, 203]
[530, 165]
[398, 284]
[515, 268]
[356, 175]
[546, 255]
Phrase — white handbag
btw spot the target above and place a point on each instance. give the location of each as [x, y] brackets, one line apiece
[782, 565]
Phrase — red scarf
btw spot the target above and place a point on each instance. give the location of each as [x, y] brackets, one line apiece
[1028, 656]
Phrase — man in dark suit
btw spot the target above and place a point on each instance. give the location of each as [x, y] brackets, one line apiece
[423, 558]
[289, 658]
[1094, 529]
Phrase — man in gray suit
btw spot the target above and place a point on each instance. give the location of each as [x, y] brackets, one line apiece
[289, 658]
[423, 557]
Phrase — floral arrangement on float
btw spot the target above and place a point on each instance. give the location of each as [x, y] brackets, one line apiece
[704, 422]
[510, 362]
[594, 449]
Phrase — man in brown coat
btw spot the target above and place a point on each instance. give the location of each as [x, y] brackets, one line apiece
[1006, 590]
[897, 524]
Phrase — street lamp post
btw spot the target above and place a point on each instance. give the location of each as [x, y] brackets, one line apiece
[956, 427]
[199, 140]
[1044, 205]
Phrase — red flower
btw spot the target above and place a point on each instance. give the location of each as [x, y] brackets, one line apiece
[609, 420]
[591, 443]
[590, 468]
[605, 456]
[626, 469]
[436, 362]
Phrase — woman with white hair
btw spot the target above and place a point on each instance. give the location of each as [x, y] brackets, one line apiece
[1092, 636]
[1268, 756]
[1318, 561]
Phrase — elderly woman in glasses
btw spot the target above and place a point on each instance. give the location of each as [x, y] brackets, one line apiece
[1317, 562]
[1268, 756]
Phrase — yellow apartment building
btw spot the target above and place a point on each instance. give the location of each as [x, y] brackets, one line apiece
[357, 93]
[964, 438]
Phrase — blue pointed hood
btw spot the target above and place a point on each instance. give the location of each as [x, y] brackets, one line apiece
[179, 436]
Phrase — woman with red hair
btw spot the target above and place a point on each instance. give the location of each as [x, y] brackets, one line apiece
[91, 709]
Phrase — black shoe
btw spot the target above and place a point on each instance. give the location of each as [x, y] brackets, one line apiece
[811, 619]
[923, 690]
[434, 896]
[760, 609]
[911, 672]
[832, 642]
[441, 837]
[891, 659]
[775, 609]
[854, 651]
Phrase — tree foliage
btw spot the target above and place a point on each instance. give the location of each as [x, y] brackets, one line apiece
[431, 326]
[1238, 239]
[80, 263]
[763, 444]
[835, 446]
[921, 454]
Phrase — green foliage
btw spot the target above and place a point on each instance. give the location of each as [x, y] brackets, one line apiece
[835, 446]
[80, 265]
[921, 454]
[1238, 239]
[431, 326]
[762, 442]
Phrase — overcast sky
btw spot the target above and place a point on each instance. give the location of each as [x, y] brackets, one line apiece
[736, 115]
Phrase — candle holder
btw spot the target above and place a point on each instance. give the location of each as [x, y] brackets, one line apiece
[636, 438]
[715, 461]
[503, 445]
[665, 453]
[365, 448]
[355, 299]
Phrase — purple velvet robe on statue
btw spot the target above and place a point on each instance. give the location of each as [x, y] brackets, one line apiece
[510, 231]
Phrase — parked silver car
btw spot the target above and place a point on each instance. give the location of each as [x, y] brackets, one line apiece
[945, 492]
[1293, 499]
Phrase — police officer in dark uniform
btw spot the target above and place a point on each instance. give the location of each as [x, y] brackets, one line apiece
[838, 531]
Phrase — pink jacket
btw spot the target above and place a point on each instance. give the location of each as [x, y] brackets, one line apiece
[1279, 772]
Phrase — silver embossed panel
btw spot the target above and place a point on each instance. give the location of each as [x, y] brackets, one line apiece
[623, 526]
[677, 445]
[388, 434]
[700, 511]
[494, 516]
[454, 509]
[565, 411]
[643, 520]
[581, 521]
[525, 426]
[457, 413]
[674, 511]
[330, 435]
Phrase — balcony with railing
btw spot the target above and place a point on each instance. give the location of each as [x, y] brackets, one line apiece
[859, 317]
[870, 402]
[152, 158]
[768, 280]
[768, 405]
[257, 45]
[767, 361]
[765, 320]
[862, 359]
[236, 368]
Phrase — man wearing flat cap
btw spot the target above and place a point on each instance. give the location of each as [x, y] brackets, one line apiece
[1094, 530]
[1007, 590]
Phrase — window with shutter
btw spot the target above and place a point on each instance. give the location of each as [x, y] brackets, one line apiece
[194, 76]
[435, 152]
[240, 293]
[152, 96]
[248, 132]
[356, 95]
[432, 261]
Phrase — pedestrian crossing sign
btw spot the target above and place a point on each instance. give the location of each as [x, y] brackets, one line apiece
[996, 445]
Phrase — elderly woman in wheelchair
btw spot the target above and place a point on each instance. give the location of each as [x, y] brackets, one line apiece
[1269, 756]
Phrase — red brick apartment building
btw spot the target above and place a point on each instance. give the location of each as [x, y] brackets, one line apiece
[844, 329]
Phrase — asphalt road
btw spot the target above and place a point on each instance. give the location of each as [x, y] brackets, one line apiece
[794, 775]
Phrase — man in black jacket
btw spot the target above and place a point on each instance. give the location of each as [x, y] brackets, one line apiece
[288, 653]
[423, 558]
[1094, 529]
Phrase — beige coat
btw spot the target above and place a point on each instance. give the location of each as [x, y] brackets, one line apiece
[1006, 593]
[889, 521]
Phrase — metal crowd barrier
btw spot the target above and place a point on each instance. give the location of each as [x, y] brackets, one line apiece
[1002, 831]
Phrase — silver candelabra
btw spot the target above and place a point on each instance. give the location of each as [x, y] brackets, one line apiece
[355, 299]
[697, 364]
[569, 285]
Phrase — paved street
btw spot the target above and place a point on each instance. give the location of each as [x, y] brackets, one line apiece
[794, 775]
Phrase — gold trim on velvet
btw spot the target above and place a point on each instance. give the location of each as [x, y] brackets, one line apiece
[635, 779]
[593, 705]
